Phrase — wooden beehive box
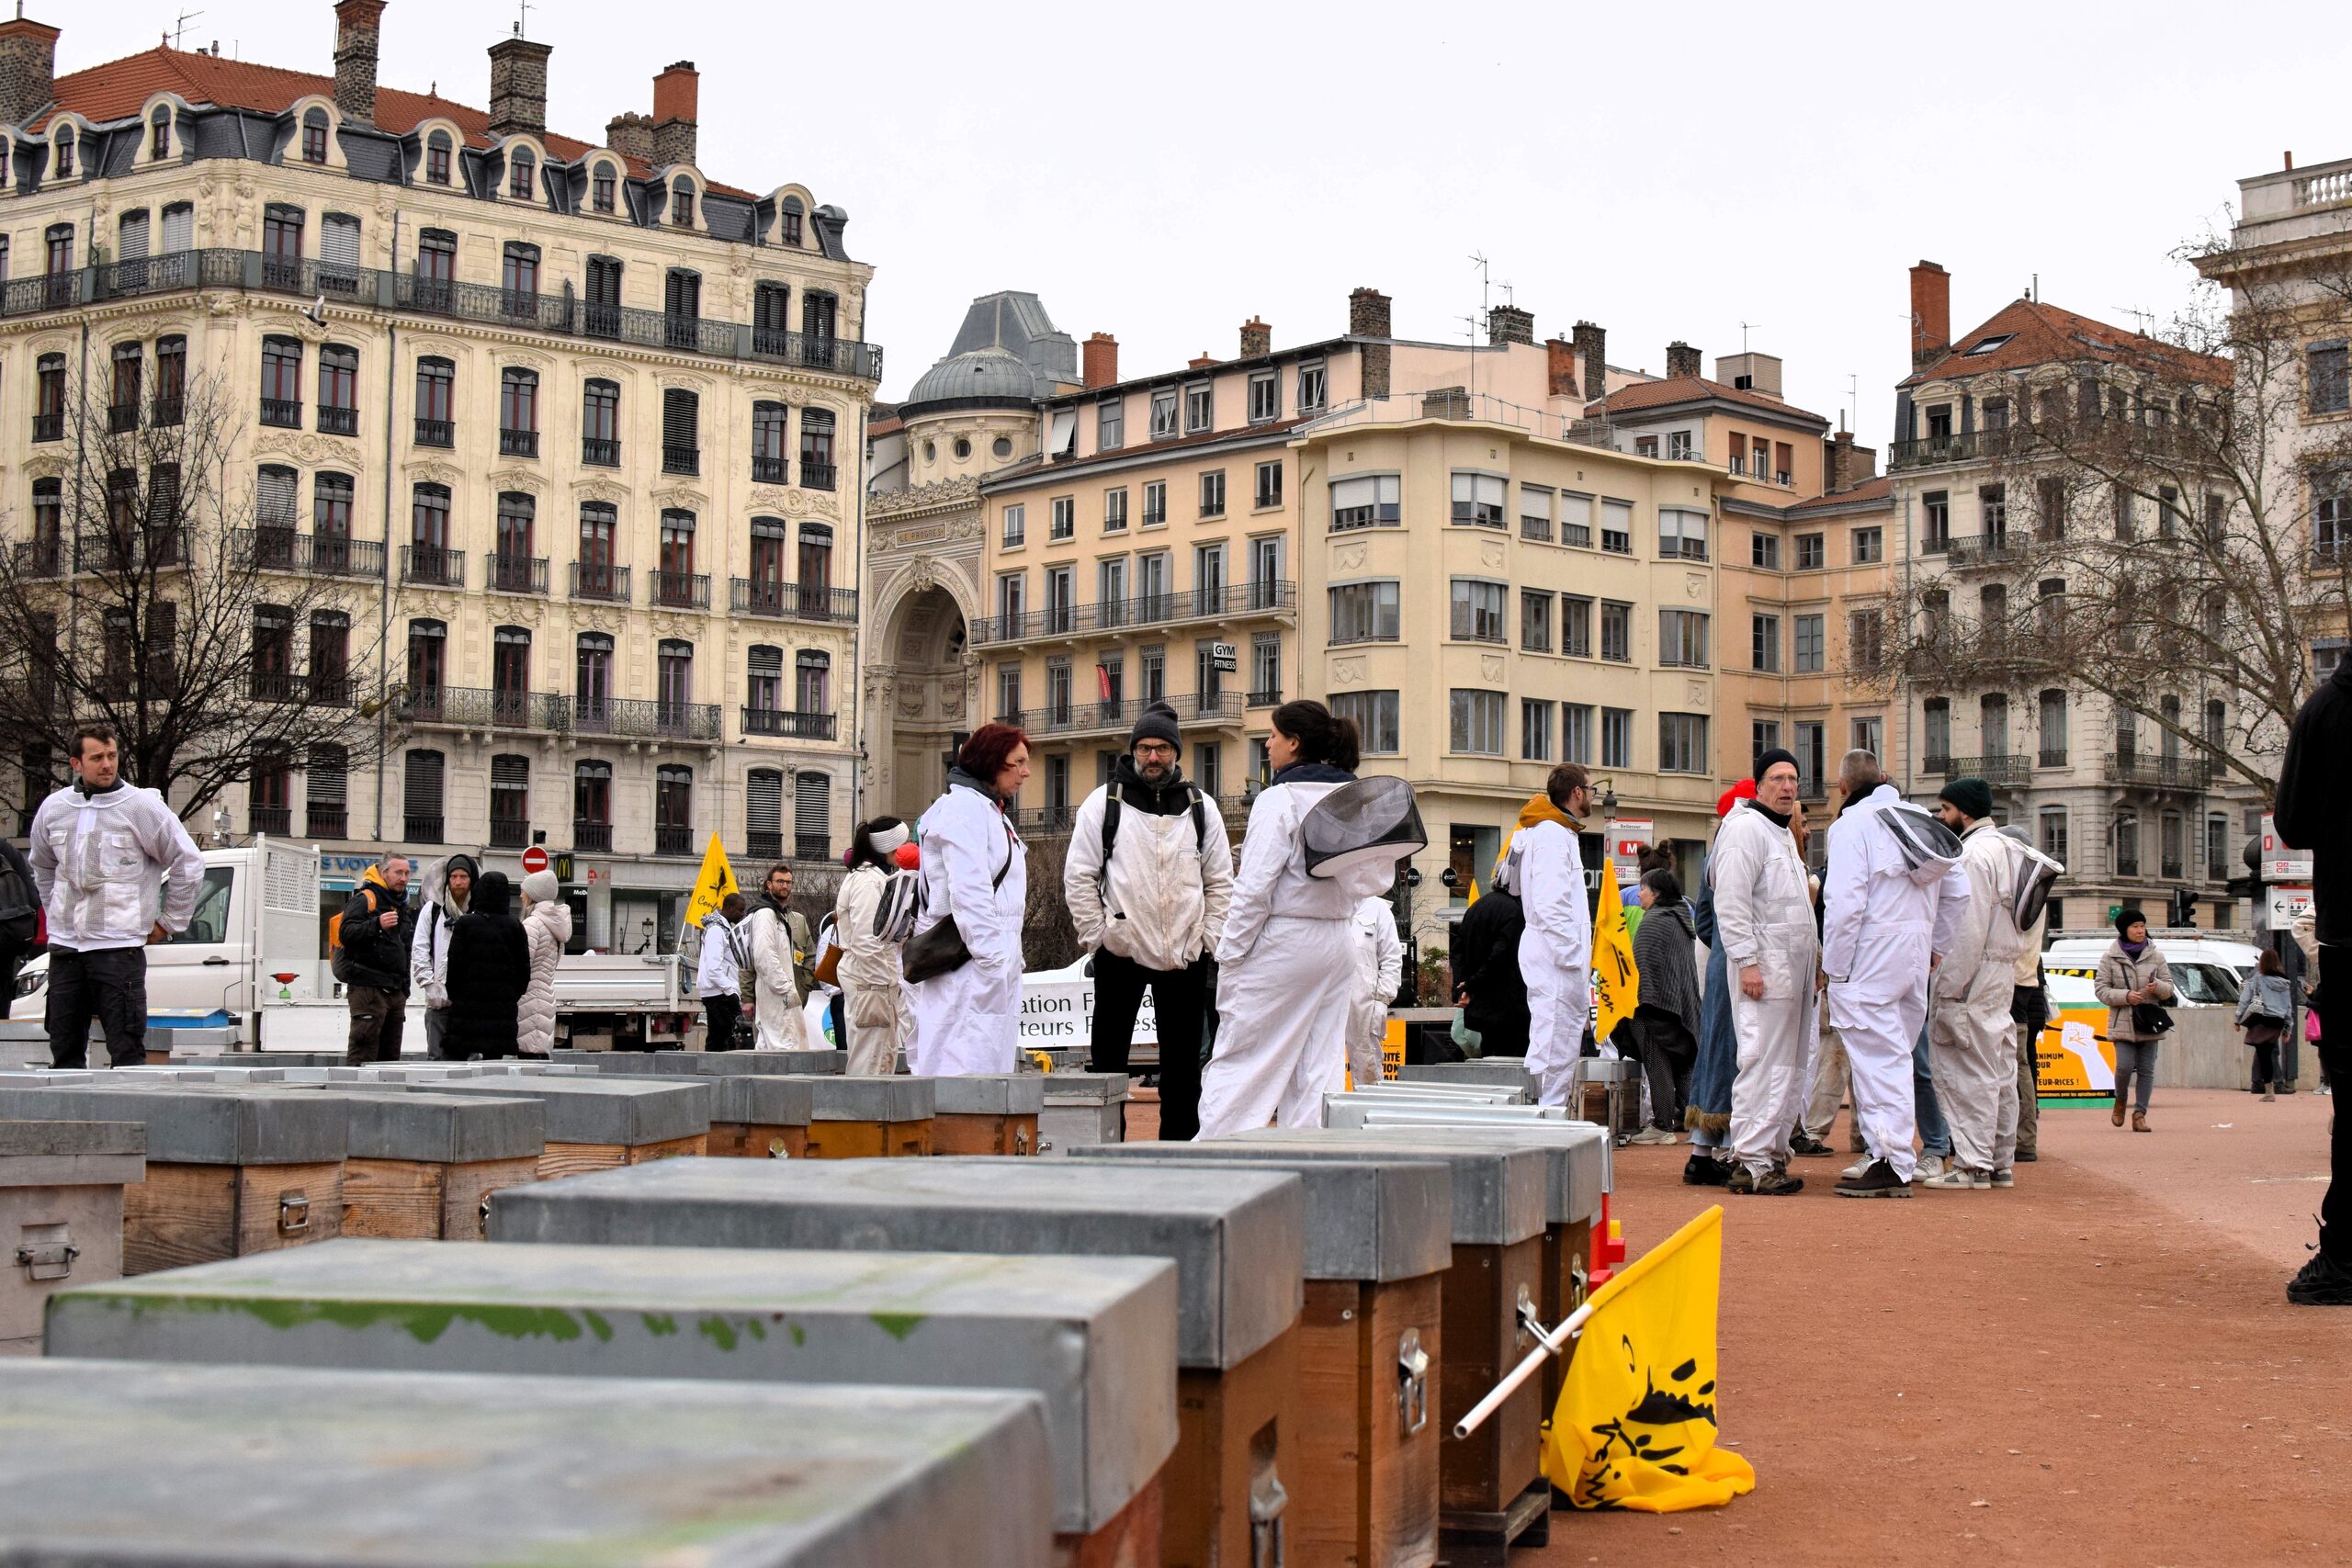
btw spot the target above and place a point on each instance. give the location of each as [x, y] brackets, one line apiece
[423, 1165]
[594, 1123]
[988, 1113]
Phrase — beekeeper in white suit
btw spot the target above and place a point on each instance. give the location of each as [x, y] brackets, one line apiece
[1764, 919]
[1380, 969]
[1896, 895]
[1556, 953]
[1972, 1038]
[975, 870]
[1287, 977]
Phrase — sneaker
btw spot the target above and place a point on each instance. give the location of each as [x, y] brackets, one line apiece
[2004, 1179]
[1741, 1181]
[1705, 1169]
[1929, 1166]
[1877, 1180]
[1653, 1135]
[1854, 1171]
[1778, 1183]
[2322, 1282]
[1956, 1178]
[1808, 1146]
[2027, 1156]
[2267, 1095]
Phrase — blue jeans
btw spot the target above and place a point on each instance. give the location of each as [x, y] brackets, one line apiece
[1935, 1138]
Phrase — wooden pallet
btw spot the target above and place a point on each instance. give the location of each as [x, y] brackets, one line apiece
[1486, 1539]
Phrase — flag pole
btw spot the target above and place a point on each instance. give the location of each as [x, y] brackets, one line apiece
[1549, 1343]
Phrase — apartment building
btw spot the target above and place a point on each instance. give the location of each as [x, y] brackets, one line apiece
[1989, 520]
[583, 423]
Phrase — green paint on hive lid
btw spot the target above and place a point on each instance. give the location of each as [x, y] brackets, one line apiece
[425, 1322]
[717, 1330]
[898, 1325]
[659, 1323]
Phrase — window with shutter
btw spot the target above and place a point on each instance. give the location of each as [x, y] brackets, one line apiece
[681, 441]
[604, 316]
[763, 813]
[812, 816]
[509, 801]
[273, 498]
[179, 228]
[420, 796]
[339, 241]
[131, 236]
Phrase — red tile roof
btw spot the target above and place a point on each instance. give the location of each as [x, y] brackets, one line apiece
[1644, 395]
[1879, 489]
[2042, 333]
[120, 88]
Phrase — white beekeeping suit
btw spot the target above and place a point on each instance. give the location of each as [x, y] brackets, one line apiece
[1380, 968]
[1764, 920]
[974, 867]
[1972, 1040]
[874, 998]
[1887, 917]
[1556, 953]
[767, 980]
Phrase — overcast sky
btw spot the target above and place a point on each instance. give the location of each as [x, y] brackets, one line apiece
[1163, 173]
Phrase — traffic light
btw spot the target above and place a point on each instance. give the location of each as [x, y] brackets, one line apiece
[2184, 907]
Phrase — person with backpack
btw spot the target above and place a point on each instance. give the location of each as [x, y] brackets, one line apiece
[1147, 878]
[372, 938]
[717, 974]
[447, 895]
[963, 959]
[2265, 1012]
[489, 970]
[20, 920]
[1972, 1052]
[872, 1002]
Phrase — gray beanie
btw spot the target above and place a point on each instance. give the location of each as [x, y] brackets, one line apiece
[1157, 722]
[541, 887]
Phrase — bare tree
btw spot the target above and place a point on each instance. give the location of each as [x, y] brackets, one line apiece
[156, 589]
[2156, 537]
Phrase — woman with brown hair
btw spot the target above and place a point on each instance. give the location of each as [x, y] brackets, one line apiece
[975, 872]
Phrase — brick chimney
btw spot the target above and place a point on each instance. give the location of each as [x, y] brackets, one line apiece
[1592, 353]
[518, 86]
[1257, 338]
[1201, 361]
[1508, 324]
[356, 23]
[677, 94]
[28, 68]
[1560, 367]
[631, 136]
[1368, 318]
[1100, 364]
[1681, 359]
[1930, 312]
[1847, 465]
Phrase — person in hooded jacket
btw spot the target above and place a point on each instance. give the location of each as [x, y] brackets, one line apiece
[1380, 969]
[975, 868]
[1709, 1113]
[1667, 1011]
[547, 927]
[1772, 952]
[1556, 955]
[874, 992]
[1487, 986]
[1286, 973]
[490, 968]
[377, 930]
[446, 894]
[1153, 914]
[1887, 917]
[1974, 1037]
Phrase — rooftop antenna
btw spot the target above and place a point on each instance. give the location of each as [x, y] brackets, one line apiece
[522, 16]
[180, 24]
[2036, 294]
[1853, 394]
[2143, 317]
[1479, 259]
[1744, 327]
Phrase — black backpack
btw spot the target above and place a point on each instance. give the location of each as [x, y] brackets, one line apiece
[1111, 807]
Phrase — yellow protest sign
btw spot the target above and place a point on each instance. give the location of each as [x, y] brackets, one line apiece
[712, 884]
[1634, 1427]
[1617, 982]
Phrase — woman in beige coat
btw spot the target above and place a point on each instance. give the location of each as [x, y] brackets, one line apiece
[2133, 972]
[874, 998]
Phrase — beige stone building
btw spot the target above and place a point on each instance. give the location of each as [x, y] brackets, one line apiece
[582, 423]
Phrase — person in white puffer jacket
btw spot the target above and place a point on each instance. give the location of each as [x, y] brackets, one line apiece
[546, 926]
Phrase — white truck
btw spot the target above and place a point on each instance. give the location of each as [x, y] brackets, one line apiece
[253, 959]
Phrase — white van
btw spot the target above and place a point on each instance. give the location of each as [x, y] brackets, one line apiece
[2207, 971]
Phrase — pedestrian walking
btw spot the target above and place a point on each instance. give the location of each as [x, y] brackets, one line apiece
[1287, 978]
[1149, 876]
[1556, 953]
[2265, 1012]
[718, 980]
[2133, 983]
[1709, 1113]
[2314, 781]
[1484, 959]
[1665, 1019]
[489, 970]
[774, 960]
[966, 1001]
[1973, 1042]
[2029, 1007]
[446, 894]
[1764, 913]
[21, 927]
[874, 990]
[375, 932]
[547, 927]
[1892, 903]
[114, 871]
[1380, 969]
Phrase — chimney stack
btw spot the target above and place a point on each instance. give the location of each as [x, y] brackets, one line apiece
[676, 100]
[631, 136]
[1508, 324]
[1201, 361]
[1848, 463]
[1100, 364]
[1930, 312]
[1560, 367]
[1257, 338]
[1681, 359]
[1368, 318]
[28, 68]
[356, 23]
[518, 86]
[1592, 353]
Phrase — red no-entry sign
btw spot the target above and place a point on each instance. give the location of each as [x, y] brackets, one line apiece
[535, 858]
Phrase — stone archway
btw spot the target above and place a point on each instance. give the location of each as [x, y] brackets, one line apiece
[924, 698]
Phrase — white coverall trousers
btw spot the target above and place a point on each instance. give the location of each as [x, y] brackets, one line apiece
[777, 1012]
[1558, 1001]
[1877, 1011]
[1283, 1013]
[1768, 1089]
[1972, 1056]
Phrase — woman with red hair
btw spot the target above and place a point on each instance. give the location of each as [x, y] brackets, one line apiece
[975, 869]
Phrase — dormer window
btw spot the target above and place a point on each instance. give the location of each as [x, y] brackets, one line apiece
[314, 137]
[1987, 346]
[160, 143]
[602, 188]
[524, 168]
[792, 220]
[65, 151]
[436, 158]
[682, 203]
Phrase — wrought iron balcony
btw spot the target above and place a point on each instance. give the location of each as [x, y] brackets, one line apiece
[2051, 757]
[1100, 717]
[436, 432]
[277, 820]
[816, 476]
[129, 550]
[786, 723]
[673, 841]
[518, 442]
[598, 453]
[679, 459]
[807, 602]
[1270, 698]
[681, 591]
[2160, 772]
[285, 414]
[607, 584]
[1238, 601]
[338, 421]
[509, 832]
[324, 821]
[593, 837]
[761, 844]
[48, 427]
[321, 555]
[40, 558]
[2009, 769]
[122, 418]
[420, 830]
[475, 707]
[168, 411]
[517, 574]
[767, 470]
[637, 718]
[432, 565]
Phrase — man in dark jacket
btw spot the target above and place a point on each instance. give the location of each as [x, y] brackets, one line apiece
[2313, 784]
[1486, 981]
[490, 968]
[377, 927]
[20, 919]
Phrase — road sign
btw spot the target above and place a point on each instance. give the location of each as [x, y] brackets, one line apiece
[1222, 658]
[2286, 903]
[2280, 863]
[535, 858]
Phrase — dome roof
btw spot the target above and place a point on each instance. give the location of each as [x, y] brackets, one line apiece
[980, 376]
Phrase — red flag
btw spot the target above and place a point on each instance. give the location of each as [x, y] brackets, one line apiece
[1103, 682]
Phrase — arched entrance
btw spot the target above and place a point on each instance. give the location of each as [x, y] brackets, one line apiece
[925, 703]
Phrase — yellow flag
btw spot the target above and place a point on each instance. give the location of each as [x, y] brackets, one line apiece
[1617, 984]
[712, 884]
[1474, 894]
[1635, 1425]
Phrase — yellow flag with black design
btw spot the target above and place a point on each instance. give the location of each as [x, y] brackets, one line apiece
[1634, 1427]
[1617, 982]
[712, 884]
